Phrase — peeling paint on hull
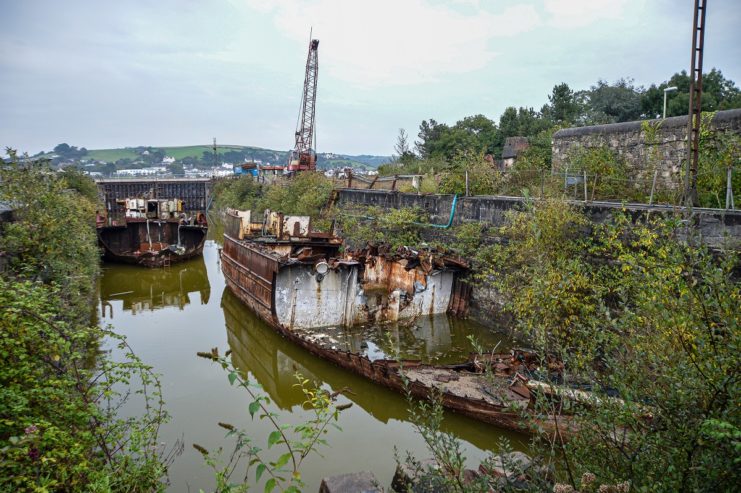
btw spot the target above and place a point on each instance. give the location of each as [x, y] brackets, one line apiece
[387, 373]
[293, 300]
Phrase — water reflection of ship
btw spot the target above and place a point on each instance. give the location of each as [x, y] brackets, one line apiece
[146, 290]
[274, 361]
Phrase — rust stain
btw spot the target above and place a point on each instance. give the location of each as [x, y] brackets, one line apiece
[389, 281]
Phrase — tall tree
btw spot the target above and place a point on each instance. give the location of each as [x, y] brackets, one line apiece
[430, 132]
[611, 103]
[562, 107]
[402, 143]
[718, 93]
[478, 133]
[404, 153]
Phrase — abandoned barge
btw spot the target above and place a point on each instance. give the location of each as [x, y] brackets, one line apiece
[298, 282]
[152, 233]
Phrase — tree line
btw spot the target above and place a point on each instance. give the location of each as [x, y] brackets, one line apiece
[602, 103]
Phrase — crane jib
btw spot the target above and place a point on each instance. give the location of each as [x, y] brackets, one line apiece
[303, 157]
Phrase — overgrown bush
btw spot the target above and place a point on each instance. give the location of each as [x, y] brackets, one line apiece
[634, 312]
[304, 194]
[238, 193]
[483, 178]
[398, 227]
[81, 183]
[59, 428]
[429, 166]
[59, 396]
[607, 174]
[719, 152]
[52, 238]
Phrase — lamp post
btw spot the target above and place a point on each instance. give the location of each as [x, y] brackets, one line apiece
[667, 90]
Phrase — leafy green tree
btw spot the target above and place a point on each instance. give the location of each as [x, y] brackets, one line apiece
[718, 93]
[429, 134]
[611, 103]
[483, 129]
[509, 125]
[522, 122]
[562, 107]
[62, 149]
[176, 169]
[108, 169]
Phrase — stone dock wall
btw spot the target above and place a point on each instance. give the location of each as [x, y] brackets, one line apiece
[718, 228]
[645, 146]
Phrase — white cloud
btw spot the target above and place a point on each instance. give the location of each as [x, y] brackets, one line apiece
[387, 42]
[580, 13]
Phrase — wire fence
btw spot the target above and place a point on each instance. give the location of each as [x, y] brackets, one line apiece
[365, 182]
[716, 188]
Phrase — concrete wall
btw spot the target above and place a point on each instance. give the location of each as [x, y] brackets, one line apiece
[718, 228]
[665, 152]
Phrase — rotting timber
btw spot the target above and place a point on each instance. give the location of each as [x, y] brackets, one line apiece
[298, 282]
[153, 233]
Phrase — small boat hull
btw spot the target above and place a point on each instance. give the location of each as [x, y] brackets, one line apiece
[151, 243]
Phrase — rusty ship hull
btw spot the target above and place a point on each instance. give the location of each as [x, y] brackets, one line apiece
[151, 243]
[270, 276]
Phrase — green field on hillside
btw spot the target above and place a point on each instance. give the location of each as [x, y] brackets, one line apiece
[197, 151]
[112, 155]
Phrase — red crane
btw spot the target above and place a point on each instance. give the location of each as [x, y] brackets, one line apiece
[303, 156]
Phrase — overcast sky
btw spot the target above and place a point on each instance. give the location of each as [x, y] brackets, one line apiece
[104, 74]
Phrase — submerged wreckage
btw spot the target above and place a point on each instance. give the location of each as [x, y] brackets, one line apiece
[297, 280]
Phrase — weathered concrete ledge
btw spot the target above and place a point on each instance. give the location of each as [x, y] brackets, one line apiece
[719, 229]
[722, 119]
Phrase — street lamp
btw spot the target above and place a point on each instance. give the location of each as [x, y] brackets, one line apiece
[668, 89]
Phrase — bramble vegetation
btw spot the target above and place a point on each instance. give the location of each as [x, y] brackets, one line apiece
[633, 312]
[298, 441]
[303, 194]
[51, 239]
[719, 153]
[59, 396]
[645, 321]
[397, 227]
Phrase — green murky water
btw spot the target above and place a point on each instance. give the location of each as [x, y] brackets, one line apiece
[170, 314]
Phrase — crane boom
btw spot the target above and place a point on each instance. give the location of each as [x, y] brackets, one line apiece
[303, 157]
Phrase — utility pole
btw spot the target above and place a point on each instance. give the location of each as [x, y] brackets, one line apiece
[216, 156]
[695, 110]
[668, 89]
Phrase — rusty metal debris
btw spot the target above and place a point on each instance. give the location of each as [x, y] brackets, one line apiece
[153, 233]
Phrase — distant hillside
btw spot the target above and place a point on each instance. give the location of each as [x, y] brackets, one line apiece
[197, 155]
[372, 161]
